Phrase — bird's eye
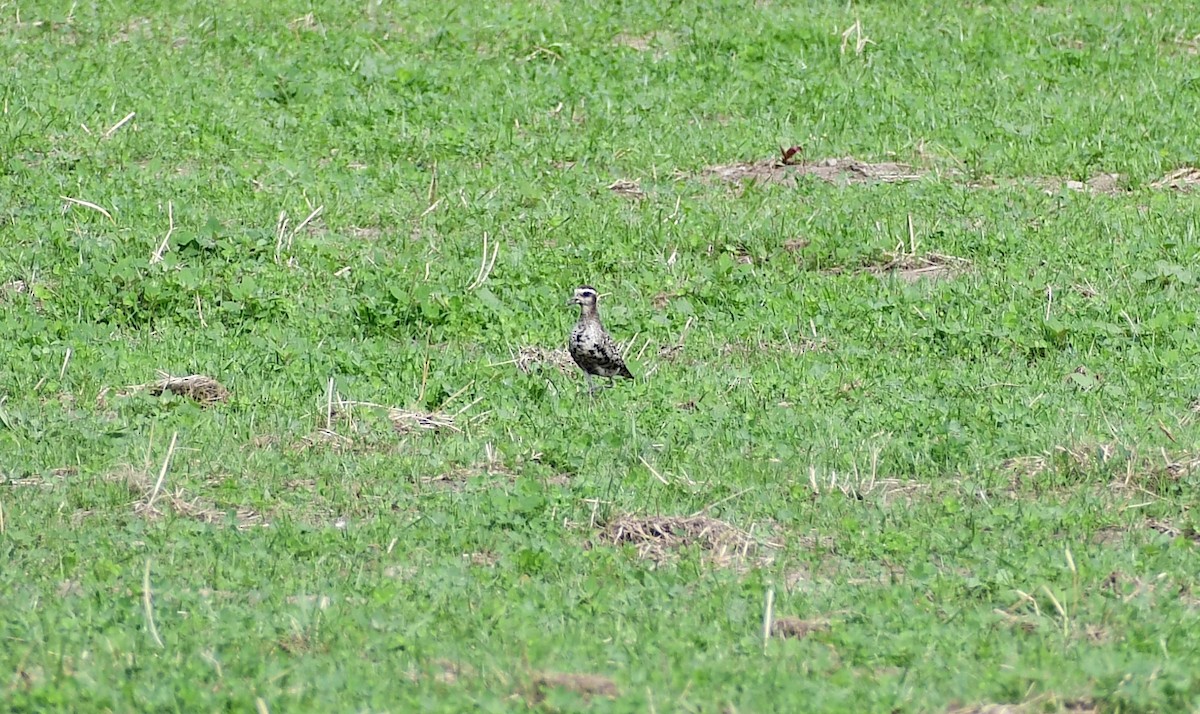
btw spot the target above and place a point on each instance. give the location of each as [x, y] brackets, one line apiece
[587, 294]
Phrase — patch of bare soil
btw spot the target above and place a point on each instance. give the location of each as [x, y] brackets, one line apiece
[1184, 179]
[152, 501]
[797, 628]
[657, 538]
[585, 685]
[833, 170]
[1102, 184]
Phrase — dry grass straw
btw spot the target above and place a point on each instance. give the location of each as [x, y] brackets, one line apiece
[1186, 178]
[627, 188]
[152, 500]
[656, 538]
[527, 359]
[89, 204]
[911, 268]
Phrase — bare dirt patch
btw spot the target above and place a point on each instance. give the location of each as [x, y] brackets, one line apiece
[846, 170]
[658, 538]
[1185, 179]
[585, 685]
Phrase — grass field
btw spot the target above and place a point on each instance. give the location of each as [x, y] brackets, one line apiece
[918, 403]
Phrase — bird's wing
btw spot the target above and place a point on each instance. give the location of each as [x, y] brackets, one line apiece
[612, 353]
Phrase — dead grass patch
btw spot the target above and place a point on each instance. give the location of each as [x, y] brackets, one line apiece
[658, 538]
[16, 289]
[457, 478]
[204, 390]
[137, 27]
[298, 643]
[1077, 457]
[406, 421]
[794, 345]
[324, 439]
[152, 502]
[1103, 184]
[832, 170]
[627, 188]
[1172, 531]
[365, 232]
[913, 268]
[1185, 179]
[643, 42]
[527, 359]
[585, 685]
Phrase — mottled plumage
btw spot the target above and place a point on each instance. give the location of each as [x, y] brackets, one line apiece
[591, 347]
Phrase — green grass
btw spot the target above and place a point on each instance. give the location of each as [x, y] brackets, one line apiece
[980, 486]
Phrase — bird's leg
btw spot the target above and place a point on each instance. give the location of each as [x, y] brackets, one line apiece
[612, 382]
[591, 387]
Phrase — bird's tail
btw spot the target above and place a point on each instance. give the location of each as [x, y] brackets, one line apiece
[625, 372]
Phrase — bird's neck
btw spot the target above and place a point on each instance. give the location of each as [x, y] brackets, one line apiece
[589, 312]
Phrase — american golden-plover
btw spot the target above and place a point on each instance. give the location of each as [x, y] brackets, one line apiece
[591, 347]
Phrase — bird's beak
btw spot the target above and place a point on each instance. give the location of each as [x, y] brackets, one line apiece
[573, 301]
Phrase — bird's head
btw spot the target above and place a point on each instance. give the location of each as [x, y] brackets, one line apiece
[585, 296]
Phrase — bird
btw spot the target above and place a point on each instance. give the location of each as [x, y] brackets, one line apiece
[592, 348]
